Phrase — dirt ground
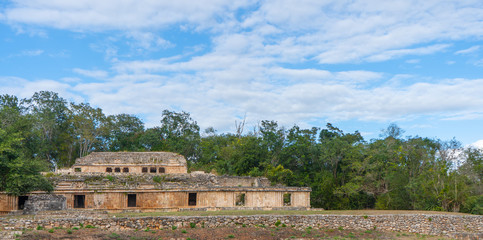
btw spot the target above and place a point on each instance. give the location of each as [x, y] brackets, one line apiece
[239, 232]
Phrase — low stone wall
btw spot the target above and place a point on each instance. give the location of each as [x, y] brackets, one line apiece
[456, 226]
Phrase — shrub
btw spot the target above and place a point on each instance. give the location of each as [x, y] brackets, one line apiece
[51, 230]
[174, 227]
[184, 231]
[277, 223]
[157, 179]
[473, 205]
[192, 225]
[69, 231]
[90, 226]
[231, 236]
[40, 227]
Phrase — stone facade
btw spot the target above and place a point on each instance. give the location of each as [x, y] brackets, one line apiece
[44, 202]
[158, 181]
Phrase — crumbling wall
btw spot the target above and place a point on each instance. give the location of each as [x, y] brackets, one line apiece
[44, 202]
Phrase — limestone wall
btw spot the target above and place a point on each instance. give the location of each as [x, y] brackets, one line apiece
[432, 224]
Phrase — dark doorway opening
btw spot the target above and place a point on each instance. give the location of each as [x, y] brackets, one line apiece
[131, 200]
[192, 199]
[79, 201]
[125, 169]
[152, 170]
[117, 169]
[21, 202]
[145, 169]
[162, 170]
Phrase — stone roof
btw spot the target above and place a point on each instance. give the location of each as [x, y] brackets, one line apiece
[141, 158]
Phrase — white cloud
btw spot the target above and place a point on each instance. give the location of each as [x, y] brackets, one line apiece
[468, 50]
[91, 73]
[112, 14]
[478, 144]
[391, 54]
[326, 31]
[29, 53]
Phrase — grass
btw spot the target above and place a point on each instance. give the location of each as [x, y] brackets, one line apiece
[363, 213]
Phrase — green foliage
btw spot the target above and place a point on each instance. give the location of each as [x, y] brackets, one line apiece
[473, 205]
[110, 178]
[192, 225]
[184, 231]
[157, 179]
[277, 223]
[344, 170]
[174, 227]
[231, 236]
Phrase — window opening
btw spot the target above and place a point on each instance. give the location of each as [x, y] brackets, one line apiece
[152, 170]
[131, 200]
[192, 199]
[77, 169]
[117, 169]
[125, 169]
[145, 169]
[108, 169]
[79, 201]
[240, 199]
[287, 199]
[162, 170]
[21, 202]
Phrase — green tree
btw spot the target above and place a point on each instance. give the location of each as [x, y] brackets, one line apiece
[91, 129]
[50, 117]
[19, 174]
[125, 133]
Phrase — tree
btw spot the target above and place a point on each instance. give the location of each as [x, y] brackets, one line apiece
[51, 121]
[19, 174]
[181, 134]
[91, 129]
[125, 133]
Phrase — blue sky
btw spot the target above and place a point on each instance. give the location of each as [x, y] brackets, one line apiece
[359, 65]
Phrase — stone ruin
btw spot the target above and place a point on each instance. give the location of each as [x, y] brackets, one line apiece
[44, 202]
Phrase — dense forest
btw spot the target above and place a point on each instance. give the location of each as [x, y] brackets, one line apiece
[344, 170]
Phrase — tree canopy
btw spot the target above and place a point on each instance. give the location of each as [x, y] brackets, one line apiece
[344, 170]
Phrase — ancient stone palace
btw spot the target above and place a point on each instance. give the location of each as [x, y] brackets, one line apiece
[150, 181]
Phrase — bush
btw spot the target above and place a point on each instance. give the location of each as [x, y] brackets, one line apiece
[40, 227]
[473, 205]
[69, 231]
[192, 225]
[51, 230]
[157, 179]
[277, 223]
[174, 227]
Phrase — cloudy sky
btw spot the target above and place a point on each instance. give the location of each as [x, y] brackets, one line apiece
[360, 65]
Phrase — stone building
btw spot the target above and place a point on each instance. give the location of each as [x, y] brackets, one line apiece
[154, 181]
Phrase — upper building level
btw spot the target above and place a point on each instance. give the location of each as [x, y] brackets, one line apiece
[131, 162]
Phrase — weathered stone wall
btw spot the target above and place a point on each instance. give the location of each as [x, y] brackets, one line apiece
[44, 202]
[432, 224]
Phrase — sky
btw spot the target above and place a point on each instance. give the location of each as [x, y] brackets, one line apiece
[360, 65]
